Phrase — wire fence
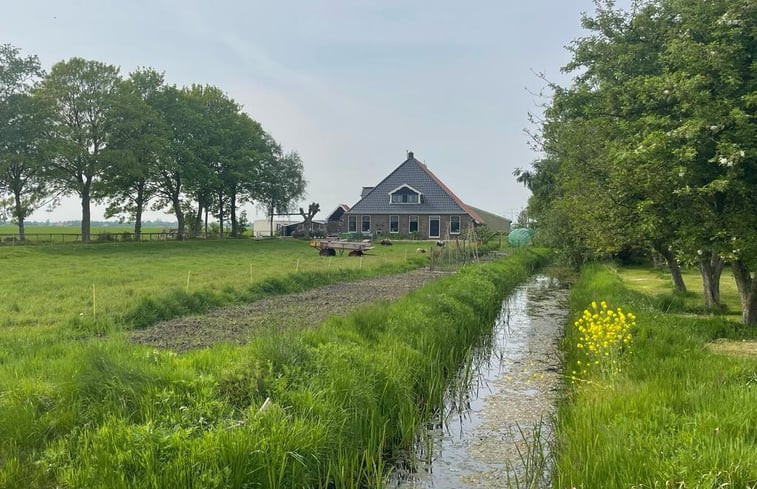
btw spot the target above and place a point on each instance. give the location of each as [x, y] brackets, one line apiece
[114, 237]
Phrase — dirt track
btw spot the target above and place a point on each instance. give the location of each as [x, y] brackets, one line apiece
[235, 324]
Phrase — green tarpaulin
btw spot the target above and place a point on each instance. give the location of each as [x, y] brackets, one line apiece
[520, 237]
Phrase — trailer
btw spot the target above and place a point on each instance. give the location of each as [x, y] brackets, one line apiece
[329, 247]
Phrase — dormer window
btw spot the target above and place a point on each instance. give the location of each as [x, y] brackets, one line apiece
[405, 194]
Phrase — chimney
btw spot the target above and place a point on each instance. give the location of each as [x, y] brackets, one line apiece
[410, 155]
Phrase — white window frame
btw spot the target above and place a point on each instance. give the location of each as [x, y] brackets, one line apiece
[439, 227]
[458, 225]
[351, 220]
[362, 224]
[417, 224]
[414, 190]
[397, 220]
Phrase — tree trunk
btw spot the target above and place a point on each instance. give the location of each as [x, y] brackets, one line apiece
[85, 214]
[220, 215]
[233, 212]
[197, 228]
[271, 210]
[20, 215]
[138, 213]
[179, 215]
[711, 267]
[747, 285]
[675, 269]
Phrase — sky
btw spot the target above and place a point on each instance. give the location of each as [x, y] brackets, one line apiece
[350, 85]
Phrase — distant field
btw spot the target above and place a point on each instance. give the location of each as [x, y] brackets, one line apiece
[13, 229]
[65, 234]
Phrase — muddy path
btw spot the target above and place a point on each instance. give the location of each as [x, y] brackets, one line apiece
[236, 324]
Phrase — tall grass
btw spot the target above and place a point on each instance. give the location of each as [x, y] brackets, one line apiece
[677, 415]
[326, 407]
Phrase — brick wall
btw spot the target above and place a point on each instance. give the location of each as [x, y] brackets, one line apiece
[380, 223]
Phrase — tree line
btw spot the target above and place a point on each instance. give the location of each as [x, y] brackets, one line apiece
[133, 143]
[651, 147]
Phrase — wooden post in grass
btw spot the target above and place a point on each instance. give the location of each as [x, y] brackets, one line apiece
[186, 291]
[361, 262]
[94, 301]
[250, 272]
[297, 268]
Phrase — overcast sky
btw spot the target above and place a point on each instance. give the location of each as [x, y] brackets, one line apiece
[350, 85]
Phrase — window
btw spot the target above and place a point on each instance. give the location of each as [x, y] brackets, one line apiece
[404, 198]
[351, 224]
[412, 226]
[433, 226]
[394, 224]
[454, 224]
[405, 194]
[366, 224]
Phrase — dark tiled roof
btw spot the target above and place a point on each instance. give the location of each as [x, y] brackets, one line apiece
[337, 213]
[495, 222]
[437, 197]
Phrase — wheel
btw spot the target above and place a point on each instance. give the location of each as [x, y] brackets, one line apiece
[356, 253]
[332, 252]
[324, 252]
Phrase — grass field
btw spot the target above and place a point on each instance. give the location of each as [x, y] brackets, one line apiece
[47, 285]
[82, 406]
[657, 283]
[69, 234]
[126, 228]
[675, 411]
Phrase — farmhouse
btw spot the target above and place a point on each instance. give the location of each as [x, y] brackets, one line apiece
[412, 201]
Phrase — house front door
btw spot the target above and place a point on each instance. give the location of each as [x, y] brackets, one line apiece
[433, 226]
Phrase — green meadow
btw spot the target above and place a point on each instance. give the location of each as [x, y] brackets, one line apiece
[69, 234]
[52, 285]
[679, 409]
[35, 229]
[83, 406]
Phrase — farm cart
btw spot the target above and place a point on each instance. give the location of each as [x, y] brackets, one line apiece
[328, 247]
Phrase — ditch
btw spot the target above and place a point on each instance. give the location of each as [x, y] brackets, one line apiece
[495, 431]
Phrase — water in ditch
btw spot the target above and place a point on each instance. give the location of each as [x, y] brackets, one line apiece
[484, 436]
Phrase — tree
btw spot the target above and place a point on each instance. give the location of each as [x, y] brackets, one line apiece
[138, 143]
[23, 124]
[667, 95]
[226, 157]
[249, 146]
[81, 95]
[280, 181]
[179, 163]
[313, 209]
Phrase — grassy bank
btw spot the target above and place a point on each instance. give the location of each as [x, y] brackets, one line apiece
[674, 413]
[326, 407]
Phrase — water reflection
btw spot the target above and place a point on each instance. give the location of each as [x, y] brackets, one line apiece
[508, 385]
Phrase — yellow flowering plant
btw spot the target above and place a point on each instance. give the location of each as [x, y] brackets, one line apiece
[604, 335]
